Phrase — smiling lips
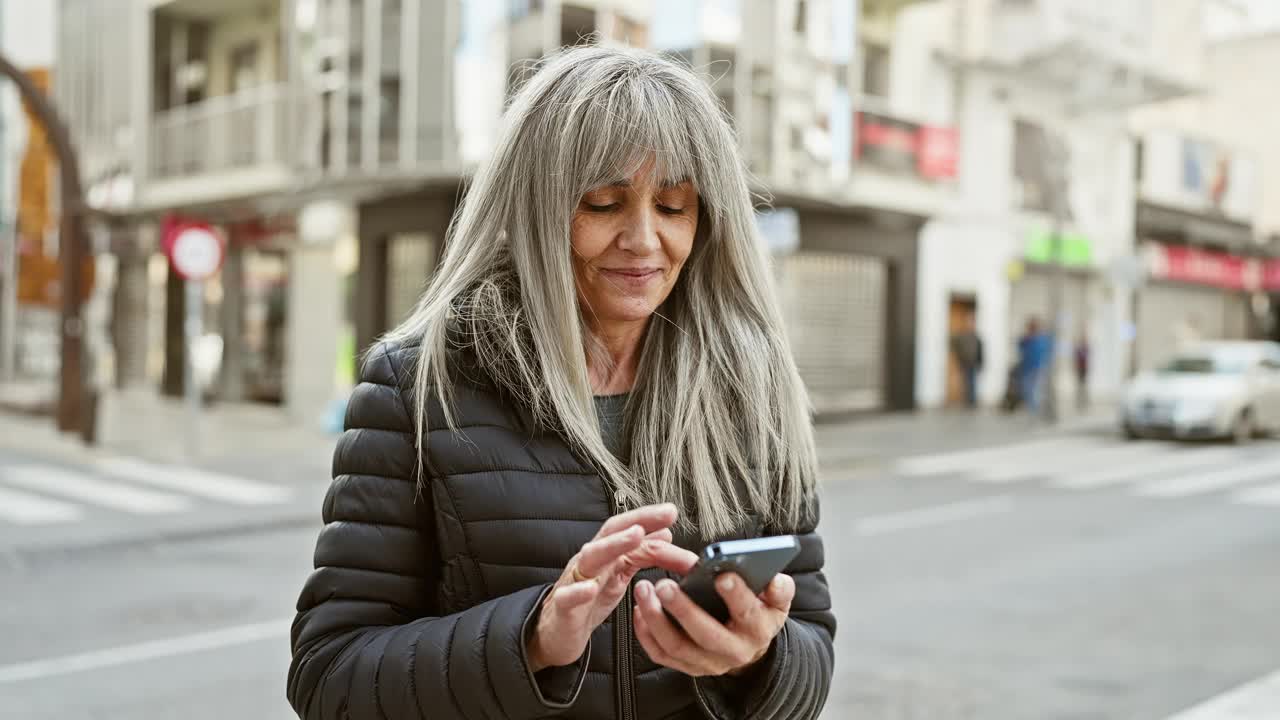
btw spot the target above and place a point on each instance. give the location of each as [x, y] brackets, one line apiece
[632, 277]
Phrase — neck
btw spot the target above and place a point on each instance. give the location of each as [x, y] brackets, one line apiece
[616, 372]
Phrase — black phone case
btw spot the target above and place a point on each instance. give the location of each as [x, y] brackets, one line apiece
[756, 570]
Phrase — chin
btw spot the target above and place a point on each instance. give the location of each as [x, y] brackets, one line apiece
[628, 311]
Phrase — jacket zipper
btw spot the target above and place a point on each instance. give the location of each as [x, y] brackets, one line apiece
[625, 688]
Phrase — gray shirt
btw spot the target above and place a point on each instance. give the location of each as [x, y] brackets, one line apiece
[612, 416]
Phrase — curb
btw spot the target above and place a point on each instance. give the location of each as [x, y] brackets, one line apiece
[22, 557]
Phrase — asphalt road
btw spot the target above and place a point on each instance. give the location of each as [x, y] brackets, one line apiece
[1056, 581]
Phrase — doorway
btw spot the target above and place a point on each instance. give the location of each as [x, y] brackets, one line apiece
[962, 316]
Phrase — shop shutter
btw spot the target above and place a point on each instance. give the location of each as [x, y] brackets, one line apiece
[410, 257]
[835, 309]
[1170, 314]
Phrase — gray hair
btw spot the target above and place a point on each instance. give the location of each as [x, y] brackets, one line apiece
[719, 419]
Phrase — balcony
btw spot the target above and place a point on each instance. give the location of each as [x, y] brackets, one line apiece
[224, 148]
[245, 130]
[1107, 55]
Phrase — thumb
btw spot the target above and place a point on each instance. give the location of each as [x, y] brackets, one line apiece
[780, 593]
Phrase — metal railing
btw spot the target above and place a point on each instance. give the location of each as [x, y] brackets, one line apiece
[243, 130]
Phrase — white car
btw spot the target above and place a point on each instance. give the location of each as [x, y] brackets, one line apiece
[1214, 390]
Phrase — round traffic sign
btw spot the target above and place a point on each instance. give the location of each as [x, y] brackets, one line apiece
[196, 252]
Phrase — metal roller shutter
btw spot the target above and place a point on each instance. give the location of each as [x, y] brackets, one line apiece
[1171, 314]
[835, 309]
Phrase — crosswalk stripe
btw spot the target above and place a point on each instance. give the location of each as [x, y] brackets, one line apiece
[27, 509]
[1263, 495]
[215, 486]
[1131, 455]
[1176, 460]
[1054, 464]
[1196, 483]
[92, 490]
[962, 460]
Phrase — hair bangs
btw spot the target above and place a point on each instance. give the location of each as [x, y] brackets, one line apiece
[636, 125]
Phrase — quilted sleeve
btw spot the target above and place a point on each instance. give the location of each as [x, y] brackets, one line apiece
[794, 678]
[367, 642]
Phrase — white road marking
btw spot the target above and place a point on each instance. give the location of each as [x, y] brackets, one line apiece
[963, 460]
[27, 509]
[1263, 495]
[155, 649]
[1200, 483]
[95, 491]
[1108, 458]
[193, 481]
[935, 515]
[1176, 460]
[1257, 700]
[1065, 460]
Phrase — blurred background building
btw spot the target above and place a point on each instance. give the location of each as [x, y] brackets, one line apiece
[921, 156]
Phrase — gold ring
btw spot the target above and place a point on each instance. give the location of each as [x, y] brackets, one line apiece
[578, 576]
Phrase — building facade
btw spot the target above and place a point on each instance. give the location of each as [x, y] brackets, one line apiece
[329, 142]
[1208, 224]
[1042, 222]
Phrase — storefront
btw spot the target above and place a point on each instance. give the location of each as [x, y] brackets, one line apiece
[1196, 295]
[1206, 277]
[849, 301]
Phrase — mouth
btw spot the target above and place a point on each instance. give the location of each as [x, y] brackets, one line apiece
[632, 276]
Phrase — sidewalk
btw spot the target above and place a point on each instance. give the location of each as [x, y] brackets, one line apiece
[144, 425]
[239, 438]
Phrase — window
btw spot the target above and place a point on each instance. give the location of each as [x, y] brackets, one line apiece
[577, 25]
[875, 70]
[244, 67]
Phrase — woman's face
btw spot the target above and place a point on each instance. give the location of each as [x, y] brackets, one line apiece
[630, 240]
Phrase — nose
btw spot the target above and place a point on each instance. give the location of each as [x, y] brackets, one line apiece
[639, 235]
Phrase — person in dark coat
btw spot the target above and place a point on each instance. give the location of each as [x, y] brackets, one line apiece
[595, 385]
[966, 346]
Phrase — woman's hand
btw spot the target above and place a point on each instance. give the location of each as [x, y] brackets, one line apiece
[700, 645]
[597, 578]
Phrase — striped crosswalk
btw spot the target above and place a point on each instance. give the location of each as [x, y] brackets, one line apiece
[39, 494]
[1157, 470]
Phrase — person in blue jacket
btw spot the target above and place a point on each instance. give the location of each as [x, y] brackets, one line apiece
[1035, 348]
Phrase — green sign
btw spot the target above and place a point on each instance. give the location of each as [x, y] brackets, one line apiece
[1075, 249]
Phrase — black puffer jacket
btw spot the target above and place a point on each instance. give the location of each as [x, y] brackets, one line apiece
[418, 605]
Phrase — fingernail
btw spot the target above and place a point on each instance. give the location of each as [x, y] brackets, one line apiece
[726, 582]
[666, 591]
[642, 590]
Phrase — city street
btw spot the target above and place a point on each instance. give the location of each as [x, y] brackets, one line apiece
[1058, 575]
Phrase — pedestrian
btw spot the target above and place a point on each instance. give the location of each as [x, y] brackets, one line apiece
[1081, 357]
[1035, 348]
[595, 382]
[966, 347]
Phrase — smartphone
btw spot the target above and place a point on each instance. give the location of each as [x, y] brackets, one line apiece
[755, 560]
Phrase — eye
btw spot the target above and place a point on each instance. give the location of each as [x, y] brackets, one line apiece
[668, 210]
[600, 208]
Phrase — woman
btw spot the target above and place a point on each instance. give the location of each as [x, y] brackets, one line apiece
[595, 382]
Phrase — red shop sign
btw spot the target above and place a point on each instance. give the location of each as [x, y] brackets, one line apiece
[1206, 267]
[937, 152]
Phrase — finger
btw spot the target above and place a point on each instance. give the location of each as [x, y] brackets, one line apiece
[650, 517]
[597, 555]
[656, 553]
[744, 606]
[709, 635]
[568, 597]
[669, 638]
[655, 651]
[780, 592]
[663, 535]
